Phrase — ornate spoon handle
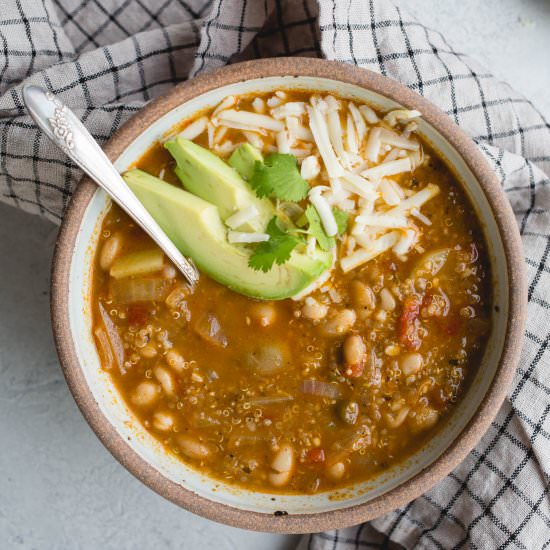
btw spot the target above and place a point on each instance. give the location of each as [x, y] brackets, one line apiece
[62, 126]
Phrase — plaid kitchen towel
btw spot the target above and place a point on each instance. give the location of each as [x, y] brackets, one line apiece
[106, 58]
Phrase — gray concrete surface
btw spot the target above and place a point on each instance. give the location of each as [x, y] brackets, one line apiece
[59, 487]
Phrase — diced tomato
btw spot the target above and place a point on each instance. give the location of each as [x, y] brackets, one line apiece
[355, 371]
[137, 315]
[408, 321]
[316, 455]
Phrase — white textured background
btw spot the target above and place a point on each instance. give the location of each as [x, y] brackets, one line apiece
[59, 487]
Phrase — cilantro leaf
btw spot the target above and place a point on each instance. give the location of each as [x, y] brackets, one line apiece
[316, 228]
[341, 218]
[278, 176]
[276, 250]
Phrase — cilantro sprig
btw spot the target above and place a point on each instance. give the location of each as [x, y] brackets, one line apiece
[277, 250]
[278, 177]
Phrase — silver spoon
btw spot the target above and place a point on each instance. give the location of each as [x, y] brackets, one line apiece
[63, 127]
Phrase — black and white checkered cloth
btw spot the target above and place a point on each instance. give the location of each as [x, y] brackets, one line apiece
[106, 58]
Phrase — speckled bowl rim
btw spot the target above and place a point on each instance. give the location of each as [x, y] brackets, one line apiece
[419, 483]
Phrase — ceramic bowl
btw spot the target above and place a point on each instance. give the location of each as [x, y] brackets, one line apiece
[119, 430]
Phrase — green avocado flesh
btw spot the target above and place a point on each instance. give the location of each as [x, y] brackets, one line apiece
[244, 159]
[210, 178]
[196, 228]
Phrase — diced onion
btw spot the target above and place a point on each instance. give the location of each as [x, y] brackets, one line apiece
[363, 255]
[113, 337]
[143, 289]
[320, 388]
[388, 169]
[310, 168]
[242, 216]
[242, 237]
[195, 129]
[324, 210]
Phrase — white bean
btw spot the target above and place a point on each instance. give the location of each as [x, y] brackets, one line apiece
[354, 349]
[175, 360]
[263, 313]
[362, 296]
[424, 419]
[314, 310]
[148, 351]
[282, 466]
[193, 448]
[410, 363]
[395, 420]
[110, 250]
[163, 421]
[336, 471]
[145, 394]
[164, 376]
[387, 301]
[341, 323]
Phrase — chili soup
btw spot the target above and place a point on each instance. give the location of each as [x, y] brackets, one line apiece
[352, 357]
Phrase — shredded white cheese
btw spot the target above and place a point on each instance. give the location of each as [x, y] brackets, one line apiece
[419, 216]
[359, 121]
[368, 114]
[363, 255]
[324, 210]
[258, 104]
[319, 129]
[195, 129]
[242, 216]
[252, 120]
[388, 169]
[227, 102]
[242, 237]
[382, 220]
[310, 168]
[399, 115]
[405, 242]
[292, 108]
[374, 143]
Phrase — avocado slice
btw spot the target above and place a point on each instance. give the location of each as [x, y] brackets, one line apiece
[196, 228]
[244, 159]
[210, 178]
